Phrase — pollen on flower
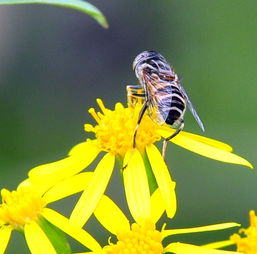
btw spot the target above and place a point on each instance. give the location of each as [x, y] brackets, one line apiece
[115, 128]
[140, 239]
[20, 207]
[247, 244]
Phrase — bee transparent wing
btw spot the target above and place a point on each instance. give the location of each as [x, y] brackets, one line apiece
[192, 109]
[159, 108]
[157, 112]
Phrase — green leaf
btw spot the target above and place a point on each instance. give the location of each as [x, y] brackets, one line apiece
[56, 236]
[78, 5]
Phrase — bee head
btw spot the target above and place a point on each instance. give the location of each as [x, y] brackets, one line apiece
[146, 57]
[151, 61]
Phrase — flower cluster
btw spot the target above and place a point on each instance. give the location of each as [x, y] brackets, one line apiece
[149, 190]
[25, 210]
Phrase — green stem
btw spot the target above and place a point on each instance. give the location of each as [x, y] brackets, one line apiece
[56, 236]
[150, 175]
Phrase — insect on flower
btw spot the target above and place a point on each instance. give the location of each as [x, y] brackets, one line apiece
[164, 97]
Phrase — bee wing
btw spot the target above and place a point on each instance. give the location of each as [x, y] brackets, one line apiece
[192, 109]
[158, 106]
[155, 112]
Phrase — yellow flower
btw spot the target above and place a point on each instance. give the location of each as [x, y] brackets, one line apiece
[146, 169]
[142, 236]
[248, 243]
[25, 210]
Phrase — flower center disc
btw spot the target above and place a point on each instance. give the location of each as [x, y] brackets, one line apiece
[115, 128]
[140, 239]
[20, 207]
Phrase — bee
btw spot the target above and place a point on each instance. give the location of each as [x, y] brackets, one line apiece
[164, 97]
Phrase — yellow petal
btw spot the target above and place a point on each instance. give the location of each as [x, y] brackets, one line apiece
[24, 183]
[136, 185]
[183, 248]
[5, 234]
[49, 174]
[90, 252]
[91, 196]
[66, 226]
[209, 149]
[213, 227]
[39, 188]
[68, 187]
[37, 240]
[202, 139]
[162, 176]
[111, 216]
[218, 245]
[157, 206]
[84, 148]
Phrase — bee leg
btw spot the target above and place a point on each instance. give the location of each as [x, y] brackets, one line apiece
[165, 141]
[145, 106]
[141, 114]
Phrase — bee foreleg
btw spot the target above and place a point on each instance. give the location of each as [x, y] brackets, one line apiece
[141, 114]
[165, 141]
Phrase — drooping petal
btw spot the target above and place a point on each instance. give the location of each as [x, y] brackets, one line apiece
[157, 206]
[183, 248]
[66, 226]
[37, 240]
[206, 147]
[68, 187]
[136, 185]
[209, 141]
[167, 131]
[91, 196]
[213, 227]
[111, 216]
[163, 178]
[5, 235]
[218, 245]
[49, 174]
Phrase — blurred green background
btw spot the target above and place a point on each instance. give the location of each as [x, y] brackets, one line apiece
[56, 61]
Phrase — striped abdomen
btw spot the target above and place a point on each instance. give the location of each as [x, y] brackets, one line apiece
[177, 105]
